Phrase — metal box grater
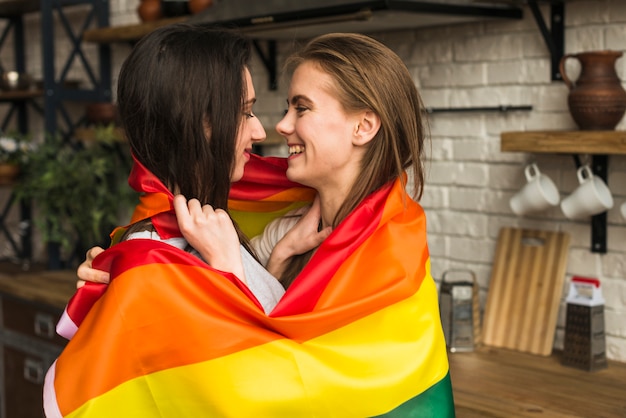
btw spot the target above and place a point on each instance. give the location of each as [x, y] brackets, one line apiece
[460, 311]
[585, 345]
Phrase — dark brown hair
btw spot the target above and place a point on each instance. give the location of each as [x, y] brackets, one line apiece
[179, 83]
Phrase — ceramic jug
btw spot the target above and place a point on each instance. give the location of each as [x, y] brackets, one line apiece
[597, 100]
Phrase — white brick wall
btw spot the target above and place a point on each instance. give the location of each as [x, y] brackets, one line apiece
[469, 181]
[499, 63]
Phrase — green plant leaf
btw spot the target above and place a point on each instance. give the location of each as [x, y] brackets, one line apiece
[78, 190]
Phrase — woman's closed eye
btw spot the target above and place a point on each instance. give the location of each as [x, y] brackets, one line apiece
[298, 109]
[301, 109]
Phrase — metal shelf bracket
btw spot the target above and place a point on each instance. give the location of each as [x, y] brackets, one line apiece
[553, 37]
[600, 168]
[269, 61]
[55, 91]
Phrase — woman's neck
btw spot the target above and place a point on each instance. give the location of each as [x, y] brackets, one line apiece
[329, 207]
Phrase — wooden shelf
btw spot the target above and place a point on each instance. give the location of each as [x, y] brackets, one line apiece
[9, 96]
[9, 8]
[127, 33]
[14, 8]
[600, 144]
[565, 142]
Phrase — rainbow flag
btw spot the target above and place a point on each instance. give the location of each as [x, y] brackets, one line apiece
[356, 335]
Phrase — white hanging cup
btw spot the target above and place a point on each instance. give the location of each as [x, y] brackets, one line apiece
[623, 210]
[590, 198]
[538, 194]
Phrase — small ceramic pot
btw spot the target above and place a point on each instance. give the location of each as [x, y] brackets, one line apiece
[149, 10]
[8, 173]
[196, 6]
[101, 113]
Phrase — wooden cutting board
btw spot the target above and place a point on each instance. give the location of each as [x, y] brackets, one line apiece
[525, 290]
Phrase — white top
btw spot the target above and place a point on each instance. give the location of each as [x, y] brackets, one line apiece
[273, 232]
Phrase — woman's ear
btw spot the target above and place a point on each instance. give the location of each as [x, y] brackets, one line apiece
[368, 125]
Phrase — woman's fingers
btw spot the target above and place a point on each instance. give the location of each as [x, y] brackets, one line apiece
[191, 214]
[210, 232]
[85, 271]
[182, 211]
[92, 253]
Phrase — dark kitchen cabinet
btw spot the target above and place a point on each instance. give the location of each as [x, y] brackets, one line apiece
[30, 307]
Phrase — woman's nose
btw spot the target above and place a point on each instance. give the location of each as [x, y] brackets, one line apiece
[258, 132]
[285, 127]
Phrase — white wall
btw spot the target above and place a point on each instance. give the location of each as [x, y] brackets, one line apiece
[469, 180]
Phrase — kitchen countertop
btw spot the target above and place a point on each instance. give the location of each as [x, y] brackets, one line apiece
[492, 382]
[49, 287]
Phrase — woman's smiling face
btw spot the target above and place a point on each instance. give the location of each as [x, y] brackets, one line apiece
[318, 131]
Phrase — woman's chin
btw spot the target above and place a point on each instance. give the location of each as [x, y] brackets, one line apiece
[292, 175]
[236, 176]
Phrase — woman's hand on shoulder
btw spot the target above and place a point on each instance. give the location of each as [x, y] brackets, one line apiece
[305, 235]
[86, 273]
[210, 232]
